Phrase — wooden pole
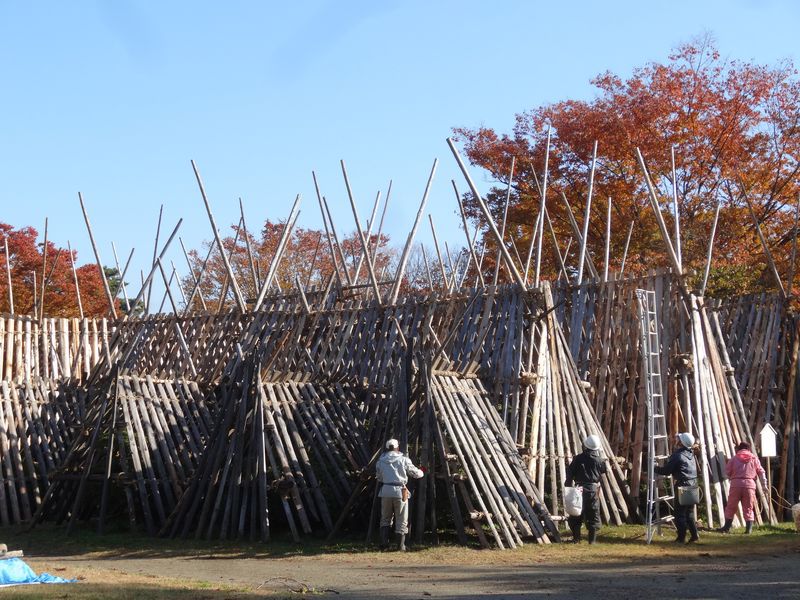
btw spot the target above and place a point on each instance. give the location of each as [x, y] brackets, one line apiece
[676, 212]
[342, 257]
[470, 242]
[625, 253]
[370, 225]
[380, 225]
[364, 242]
[488, 216]
[327, 231]
[75, 278]
[438, 253]
[40, 314]
[155, 252]
[710, 249]
[505, 220]
[198, 278]
[540, 232]
[561, 265]
[237, 294]
[763, 240]
[273, 267]
[97, 258]
[253, 271]
[427, 267]
[195, 280]
[659, 218]
[794, 247]
[585, 233]
[608, 242]
[152, 272]
[122, 274]
[578, 237]
[8, 276]
[401, 267]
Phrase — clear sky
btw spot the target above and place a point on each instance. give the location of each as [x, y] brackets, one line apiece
[113, 99]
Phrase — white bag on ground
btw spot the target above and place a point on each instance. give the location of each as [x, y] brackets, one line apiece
[796, 516]
[573, 501]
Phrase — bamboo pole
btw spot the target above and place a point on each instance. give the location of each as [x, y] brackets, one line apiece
[438, 253]
[8, 275]
[578, 237]
[327, 231]
[97, 258]
[763, 240]
[676, 211]
[75, 278]
[195, 280]
[540, 231]
[585, 232]
[488, 216]
[237, 294]
[657, 211]
[155, 252]
[121, 274]
[253, 271]
[625, 253]
[198, 278]
[608, 242]
[370, 225]
[505, 220]
[710, 249]
[273, 266]
[380, 225]
[40, 314]
[470, 242]
[401, 267]
[794, 248]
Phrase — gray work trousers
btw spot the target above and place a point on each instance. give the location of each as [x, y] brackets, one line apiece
[398, 508]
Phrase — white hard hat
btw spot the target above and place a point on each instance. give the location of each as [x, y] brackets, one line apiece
[392, 444]
[686, 439]
[592, 442]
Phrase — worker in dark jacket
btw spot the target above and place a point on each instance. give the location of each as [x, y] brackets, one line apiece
[681, 465]
[585, 471]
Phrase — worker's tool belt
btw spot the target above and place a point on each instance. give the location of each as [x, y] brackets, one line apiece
[592, 487]
[393, 483]
[688, 495]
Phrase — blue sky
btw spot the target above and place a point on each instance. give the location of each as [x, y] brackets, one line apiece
[113, 99]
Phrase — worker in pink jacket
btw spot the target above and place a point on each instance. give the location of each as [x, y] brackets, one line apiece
[742, 470]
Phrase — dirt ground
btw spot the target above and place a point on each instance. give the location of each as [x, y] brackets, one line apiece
[765, 565]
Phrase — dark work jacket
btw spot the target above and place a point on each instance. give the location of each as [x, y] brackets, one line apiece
[681, 465]
[586, 467]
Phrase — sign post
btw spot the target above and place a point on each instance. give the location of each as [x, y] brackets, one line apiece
[768, 437]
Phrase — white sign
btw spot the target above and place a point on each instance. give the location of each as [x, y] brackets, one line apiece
[769, 445]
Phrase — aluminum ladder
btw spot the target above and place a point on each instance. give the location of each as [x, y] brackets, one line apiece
[659, 489]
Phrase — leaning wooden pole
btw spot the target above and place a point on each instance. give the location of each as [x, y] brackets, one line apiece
[659, 218]
[364, 243]
[8, 276]
[97, 258]
[401, 267]
[470, 242]
[40, 315]
[710, 249]
[608, 242]
[542, 206]
[584, 235]
[505, 219]
[764, 245]
[794, 247]
[334, 259]
[512, 269]
[237, 293]
[75, 279]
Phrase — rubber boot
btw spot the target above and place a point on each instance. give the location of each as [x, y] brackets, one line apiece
[385, 531]
[402, 545]
[681, 539]
[693, 530]
[592, 538]
[727, 527]
[748, 527]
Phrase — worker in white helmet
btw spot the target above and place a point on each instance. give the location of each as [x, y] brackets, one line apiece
[682, 466]
[585, 471]
[393, 470]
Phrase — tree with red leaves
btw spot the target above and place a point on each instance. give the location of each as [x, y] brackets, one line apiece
[306, 257]
[60, 297]
[735, 130]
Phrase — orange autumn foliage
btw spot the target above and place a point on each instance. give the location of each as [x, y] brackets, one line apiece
[735, 127]
[60, 299]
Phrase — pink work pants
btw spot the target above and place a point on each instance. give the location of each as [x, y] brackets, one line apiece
[746, 496]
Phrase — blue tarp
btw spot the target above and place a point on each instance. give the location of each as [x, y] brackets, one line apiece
[14, 571]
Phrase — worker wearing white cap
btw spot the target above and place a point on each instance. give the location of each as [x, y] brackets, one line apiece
[393, 470]
[585, 471]
[682, 466]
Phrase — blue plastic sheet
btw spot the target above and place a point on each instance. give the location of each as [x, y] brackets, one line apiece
[14, 571]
